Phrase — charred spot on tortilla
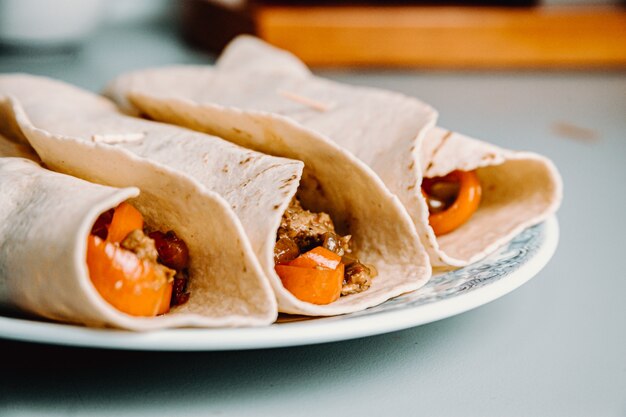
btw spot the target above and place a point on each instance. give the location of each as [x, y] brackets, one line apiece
[435, 151]
[451, 199]
[245, 161]
[138, 271]
[308, 241]
[284, 185]
[289, 180]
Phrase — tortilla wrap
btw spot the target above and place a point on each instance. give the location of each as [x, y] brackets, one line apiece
[393, 134]
[17, 150]
[62, 122]
[45, 218]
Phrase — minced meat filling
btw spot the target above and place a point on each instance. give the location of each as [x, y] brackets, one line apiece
[141, 245]
[357, 278]
[144, 247]
[303, 227]
[301, 230]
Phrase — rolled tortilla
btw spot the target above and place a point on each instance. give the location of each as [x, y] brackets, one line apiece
[17, 150]
[83, 134]
[393, 134]
[45, 218]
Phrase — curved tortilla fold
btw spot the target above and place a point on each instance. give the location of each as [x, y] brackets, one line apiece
[393, 134]
[77, 132]
[10, 149]
[45, 218]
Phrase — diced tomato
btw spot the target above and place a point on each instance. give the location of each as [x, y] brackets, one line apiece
[173, 251]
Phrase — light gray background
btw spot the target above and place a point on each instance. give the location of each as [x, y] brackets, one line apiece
[555, 347]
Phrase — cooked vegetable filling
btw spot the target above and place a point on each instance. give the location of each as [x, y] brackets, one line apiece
[451, 199]
[139, 274]
[313, 262]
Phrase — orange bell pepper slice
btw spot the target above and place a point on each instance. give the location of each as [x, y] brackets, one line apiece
[317, 257]
[316, 286]
[464, 206]
[126, 218]
[129, 284]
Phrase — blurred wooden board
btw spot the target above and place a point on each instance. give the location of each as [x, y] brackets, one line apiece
[421, 36]
[449, 37]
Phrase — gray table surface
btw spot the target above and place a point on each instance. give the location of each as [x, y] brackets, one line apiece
[554, 347]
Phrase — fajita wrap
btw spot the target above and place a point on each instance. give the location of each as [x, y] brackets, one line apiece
[393, 134]
[46, 217]
[80, 133]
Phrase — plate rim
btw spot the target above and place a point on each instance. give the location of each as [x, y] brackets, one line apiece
[297, 333]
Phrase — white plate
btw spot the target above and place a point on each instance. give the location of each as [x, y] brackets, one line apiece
[445, 295]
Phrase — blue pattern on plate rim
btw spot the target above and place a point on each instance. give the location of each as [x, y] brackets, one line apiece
[508, 259]
[480, 274]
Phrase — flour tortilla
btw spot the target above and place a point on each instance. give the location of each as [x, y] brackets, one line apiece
[45, 218]
[62, 122]
[10, 149]
[393, 134]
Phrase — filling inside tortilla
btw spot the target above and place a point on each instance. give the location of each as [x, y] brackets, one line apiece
[139, 271]
[452, 200]
[314, 262]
